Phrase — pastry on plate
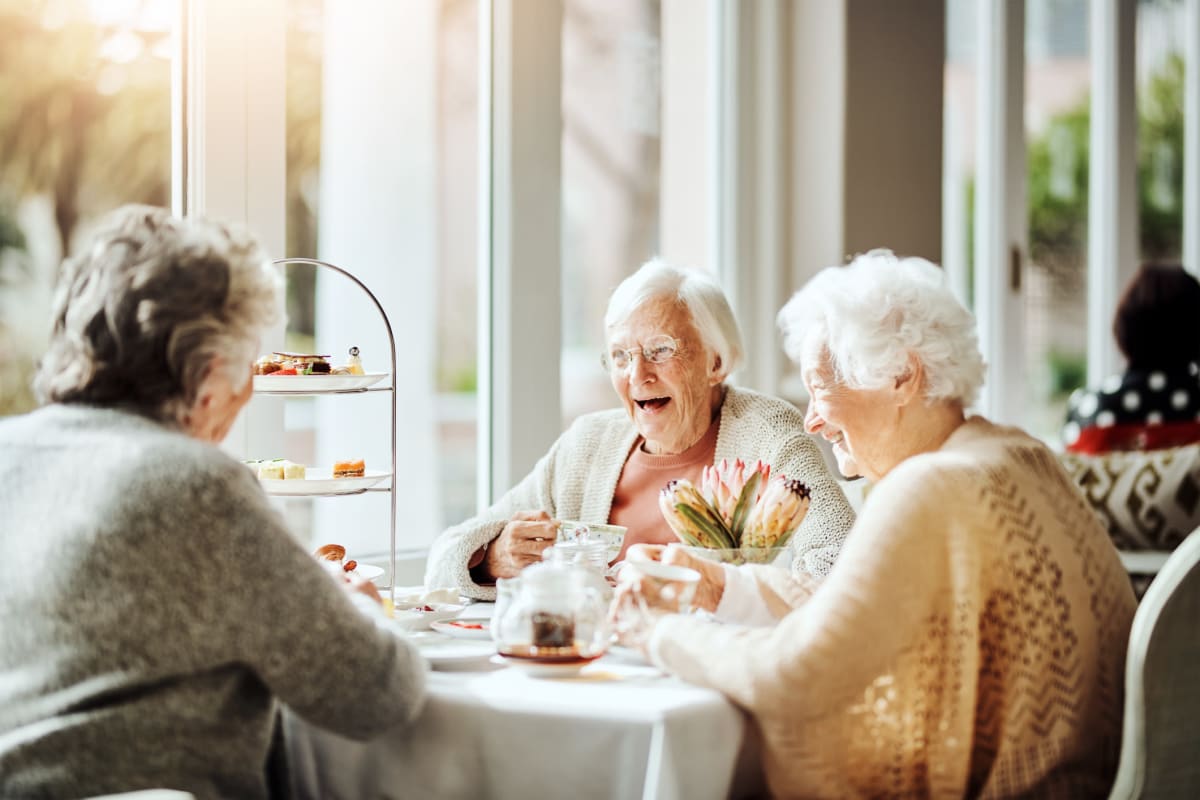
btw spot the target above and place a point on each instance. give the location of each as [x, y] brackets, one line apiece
[270, 470]
[354, 468]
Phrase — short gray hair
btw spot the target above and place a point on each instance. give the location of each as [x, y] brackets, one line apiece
[696, 291]
[140, 315]
[874, 313]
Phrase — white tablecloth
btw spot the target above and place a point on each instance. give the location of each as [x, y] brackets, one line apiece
[616, 731]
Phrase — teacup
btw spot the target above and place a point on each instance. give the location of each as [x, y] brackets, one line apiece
[667, 587]
[613, 536]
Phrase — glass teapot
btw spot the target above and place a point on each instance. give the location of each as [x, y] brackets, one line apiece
[555, 611]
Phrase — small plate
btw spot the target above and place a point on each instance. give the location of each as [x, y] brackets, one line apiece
[321, 482]
[411, 619]
[444, 653]
[368, 571]
[544, 669]
[307, 384]
[465, 628]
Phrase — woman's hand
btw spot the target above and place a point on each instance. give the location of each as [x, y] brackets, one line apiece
[355, 584]
[632, 620]
[712, 574]
[521, 543]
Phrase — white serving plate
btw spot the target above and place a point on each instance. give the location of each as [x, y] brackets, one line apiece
[308, 384]
[410, 619]
[449, 628]
[321, 482]
[442, 652]
[368, 571]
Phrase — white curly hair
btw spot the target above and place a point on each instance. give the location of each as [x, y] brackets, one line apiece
[697, 291]
[874, 314]
[142, 314]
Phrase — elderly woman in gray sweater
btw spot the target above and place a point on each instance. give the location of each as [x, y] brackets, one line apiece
[672, 343]
[154, 606]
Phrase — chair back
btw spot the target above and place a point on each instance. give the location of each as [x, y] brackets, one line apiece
[1160, 742]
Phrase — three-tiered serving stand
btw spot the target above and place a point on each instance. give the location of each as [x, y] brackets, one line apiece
[391, 487]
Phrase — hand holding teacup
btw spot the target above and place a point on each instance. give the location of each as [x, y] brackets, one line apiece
[521, 543]
[712, 575]
[647, 589]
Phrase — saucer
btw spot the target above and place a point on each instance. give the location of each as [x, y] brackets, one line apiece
[544, 669]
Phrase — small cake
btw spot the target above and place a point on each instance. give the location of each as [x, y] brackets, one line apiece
[349, 469]
[304, 363]
[293, 471]
[267, 365]
[271, 470]
[354, 364]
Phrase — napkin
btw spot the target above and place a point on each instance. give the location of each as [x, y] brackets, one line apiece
[422, 597]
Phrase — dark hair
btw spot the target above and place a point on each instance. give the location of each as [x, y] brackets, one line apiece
[1157, 324]
[143, 311]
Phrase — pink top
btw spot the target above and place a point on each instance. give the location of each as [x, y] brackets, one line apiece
[635, 501]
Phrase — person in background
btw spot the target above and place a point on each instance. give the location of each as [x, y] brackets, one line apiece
[672, 343]
[970, 640]
[1155, 403]
[155, 606]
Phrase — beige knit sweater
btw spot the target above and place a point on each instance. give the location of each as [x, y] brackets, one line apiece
[969, 642]
[577, 478]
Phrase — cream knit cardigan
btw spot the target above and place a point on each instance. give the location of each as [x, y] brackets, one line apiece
[969, 642]
[577, 477]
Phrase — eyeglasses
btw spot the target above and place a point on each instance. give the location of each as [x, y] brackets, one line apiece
[656, 350]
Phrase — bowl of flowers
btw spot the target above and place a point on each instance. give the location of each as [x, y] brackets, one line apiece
[738, 514]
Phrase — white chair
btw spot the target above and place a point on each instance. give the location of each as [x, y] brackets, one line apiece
[1160, 742]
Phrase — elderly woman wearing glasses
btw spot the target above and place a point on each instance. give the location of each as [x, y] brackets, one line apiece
[672, 342]
[970, 641]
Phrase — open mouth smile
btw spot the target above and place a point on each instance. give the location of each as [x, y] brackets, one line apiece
[652, 403]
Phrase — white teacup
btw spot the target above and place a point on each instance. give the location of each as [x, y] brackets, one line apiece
[667, 587]
[613, 536]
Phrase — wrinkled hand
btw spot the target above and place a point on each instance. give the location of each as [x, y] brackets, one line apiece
[521, 543]
[631, 619]
[712, 575]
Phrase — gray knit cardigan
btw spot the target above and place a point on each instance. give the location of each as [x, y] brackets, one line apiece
[577, 477]
[153, 607]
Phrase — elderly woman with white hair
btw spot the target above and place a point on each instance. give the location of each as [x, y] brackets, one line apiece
[970, 640]
[155, 606]
[672, 343]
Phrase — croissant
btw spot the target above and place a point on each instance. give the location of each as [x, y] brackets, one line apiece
[330, 552]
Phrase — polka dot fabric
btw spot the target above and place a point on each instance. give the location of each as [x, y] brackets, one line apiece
[1139, 410]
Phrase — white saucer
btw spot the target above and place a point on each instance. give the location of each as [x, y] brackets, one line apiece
[542, 669]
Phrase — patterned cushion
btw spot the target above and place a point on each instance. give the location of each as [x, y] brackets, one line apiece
[1148, 500]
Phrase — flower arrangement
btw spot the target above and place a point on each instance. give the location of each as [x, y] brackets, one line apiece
[735, 507]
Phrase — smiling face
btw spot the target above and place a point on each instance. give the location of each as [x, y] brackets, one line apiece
[672, 403]
[856, 421]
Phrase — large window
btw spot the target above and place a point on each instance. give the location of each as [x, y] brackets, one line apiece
[382, 132]
[610, 168]
[1161, 25]
[85, 125]
[1057, 88]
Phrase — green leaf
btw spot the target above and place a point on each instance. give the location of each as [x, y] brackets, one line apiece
[742, 509]
[711, 528]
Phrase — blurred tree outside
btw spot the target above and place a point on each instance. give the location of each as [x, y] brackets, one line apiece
[1058, 161]
[84, 127]
[304, 87]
